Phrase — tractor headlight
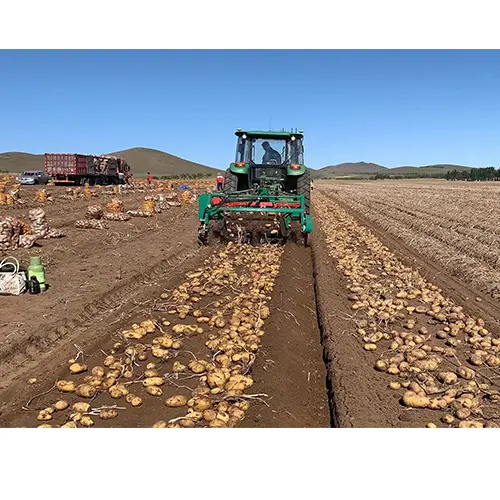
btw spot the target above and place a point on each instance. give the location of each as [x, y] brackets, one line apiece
[293, 137]
[295, 166]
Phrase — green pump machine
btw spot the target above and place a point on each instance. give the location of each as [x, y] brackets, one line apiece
[266, 194]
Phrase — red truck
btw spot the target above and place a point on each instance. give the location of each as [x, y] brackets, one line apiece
[69, 168]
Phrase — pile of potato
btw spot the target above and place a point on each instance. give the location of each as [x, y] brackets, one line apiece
[439, 357]
[42, 196]
[115, 206]
[225, 302]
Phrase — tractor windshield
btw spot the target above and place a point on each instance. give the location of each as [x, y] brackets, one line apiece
[269, 151]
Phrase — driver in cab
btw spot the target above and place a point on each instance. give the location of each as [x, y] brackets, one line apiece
[270, 155]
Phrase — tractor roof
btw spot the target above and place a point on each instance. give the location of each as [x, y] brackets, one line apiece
[269, 134]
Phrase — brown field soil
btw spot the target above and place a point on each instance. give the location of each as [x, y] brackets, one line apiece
[92, 298]
[310, 369]
[452, 223]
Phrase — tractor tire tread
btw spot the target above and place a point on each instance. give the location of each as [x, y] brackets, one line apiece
[304, 187]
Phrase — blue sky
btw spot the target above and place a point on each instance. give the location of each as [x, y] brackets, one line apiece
[393, 107]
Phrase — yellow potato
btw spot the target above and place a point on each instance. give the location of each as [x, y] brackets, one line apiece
[75, 416]
[220, 322]
[176, 401]
[448, 419]
[118, 391]
[107, 414]
[471, 424]
[236, 413]
[78, 368]
[81, 407]
[153, 381]
[86, 421]
[466, 372]
[44, 426]
[427, 364]
[109, 360]
[151, 373]
[109, 382]
[217, 423]
[194, 415]
[242, 405]
[61, 405]
[136, 401]
[69, 425]
[44, 415]
[200, 403]
[414, 400]
[447, 377]
[209, 415]
[196, 367]
[86, 391]
[154, 390]
[161, 424]
[176, 344]
[223, 406]
[178, 367]
[216, 378]
[187, 422]
[165, 342]
[463, 413]
[158, 352]
[65, 386]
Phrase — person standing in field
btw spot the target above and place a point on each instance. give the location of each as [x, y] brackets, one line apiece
[220, 182]
[149, 178]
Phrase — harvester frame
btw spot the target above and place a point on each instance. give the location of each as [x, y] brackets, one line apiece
[260, 202]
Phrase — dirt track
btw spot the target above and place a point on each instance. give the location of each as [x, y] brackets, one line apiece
[310, 365]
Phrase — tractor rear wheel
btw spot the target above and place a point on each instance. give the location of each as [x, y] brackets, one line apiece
[304, 187]
[230, 182]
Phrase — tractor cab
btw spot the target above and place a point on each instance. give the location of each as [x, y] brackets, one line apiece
[262, 157]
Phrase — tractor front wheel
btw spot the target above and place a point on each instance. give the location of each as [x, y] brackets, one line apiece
[230, 182]
[304, 187]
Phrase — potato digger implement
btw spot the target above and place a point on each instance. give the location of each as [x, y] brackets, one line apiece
[266, 193]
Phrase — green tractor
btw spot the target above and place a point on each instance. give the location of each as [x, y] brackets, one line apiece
[266, 194]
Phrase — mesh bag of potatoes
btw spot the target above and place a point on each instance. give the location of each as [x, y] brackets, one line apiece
[40, 227]
[149, 206]
[116, 216]
[140, 213]
[115, 206]
[41, 196]
[94, 212]
[173, 203]
[11, 234]
[91, 224]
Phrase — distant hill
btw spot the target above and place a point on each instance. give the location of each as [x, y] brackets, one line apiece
[349, 169]
[144, 160]
[363, 168]
[141, 160]
[18, 162]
